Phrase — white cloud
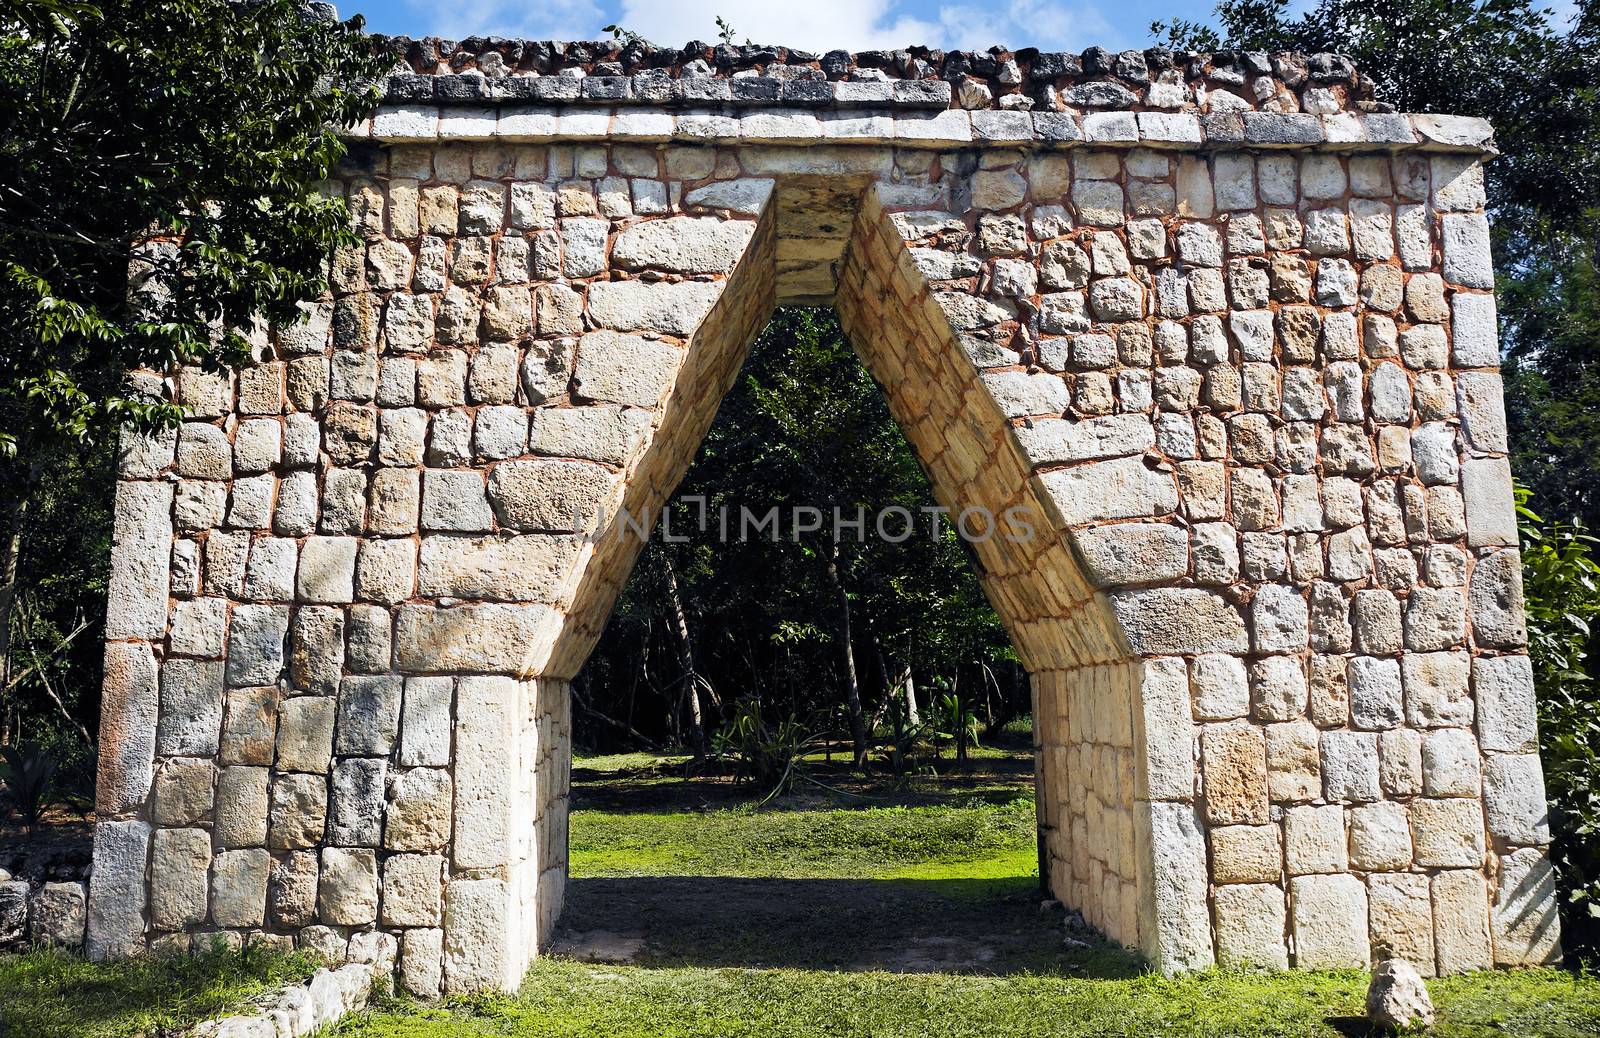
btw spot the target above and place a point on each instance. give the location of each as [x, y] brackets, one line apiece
[811, 24]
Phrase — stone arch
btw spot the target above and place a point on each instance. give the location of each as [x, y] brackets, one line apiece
[1242, 365]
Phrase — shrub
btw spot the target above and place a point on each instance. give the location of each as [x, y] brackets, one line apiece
[1561, 581]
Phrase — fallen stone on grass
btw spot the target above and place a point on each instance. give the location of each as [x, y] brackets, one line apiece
[1397, 999]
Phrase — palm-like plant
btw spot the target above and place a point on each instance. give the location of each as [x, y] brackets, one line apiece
[27, 772]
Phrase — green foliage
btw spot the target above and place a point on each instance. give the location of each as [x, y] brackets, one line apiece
[160, 162]
[216, 154]
[56, 994]
[1561, 582]
[27, 774]
[805, 426]
[766, 754]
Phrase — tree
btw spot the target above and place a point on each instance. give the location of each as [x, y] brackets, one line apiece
[805, 626]
[159, 161]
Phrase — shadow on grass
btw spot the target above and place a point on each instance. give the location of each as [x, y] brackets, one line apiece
[974, 926]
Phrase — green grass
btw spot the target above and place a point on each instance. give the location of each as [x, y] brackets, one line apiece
[866, 843]
[54, 994]
[573, 1000]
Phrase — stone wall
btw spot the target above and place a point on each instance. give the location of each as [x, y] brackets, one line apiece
[1241, 390]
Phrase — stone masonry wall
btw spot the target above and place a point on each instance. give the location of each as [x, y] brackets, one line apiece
[1239, 397]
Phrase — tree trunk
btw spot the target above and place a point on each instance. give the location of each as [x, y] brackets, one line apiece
[913, 718]
[691, 677]
[852, 687]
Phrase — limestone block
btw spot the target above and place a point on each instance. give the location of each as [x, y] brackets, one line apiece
[250, 726]
[241, 807]
[292, 889]
[422, 962]
[1175, 926]
[305, 734]
[1162, 727]
[1235, 774]
[685, 245]
[1250, 924]
[141, 541]
[239, 887]
[1503, 688]
[531, 568]
[1402, 919]
[476, 951]
[369, 714]
[1350, 767]
[355, 807]
[1526, 925]
[1514, 798]
[413, 890]
[1496, 603]
[1314, 840]
[1450, 764]
[1021, 394]
[548, 495]
[671, 308]
[1133, 553]
[191, 707]
[1377, 698]
[1486, 493]
[1461, 921]
[1380, 837]
[1219, 686]
[348, 891]
[606, 433]
[1246, 854]
[117, 894]
[1294, 762]
[182, 793]
[316, 654]
[270, 573]
[1400, 762]
[130, 700]
[1277, 689]
[256, 639]
[488, 638]
[1436, 689]
[1448, 832]
[1329, 915]
[386, 571]
[455, 501]
[425, 724]
[1166, 621]
[419, 810]
[368, 639]
[180, 860]
[298, 812]
[58, 914]
[1278, 619]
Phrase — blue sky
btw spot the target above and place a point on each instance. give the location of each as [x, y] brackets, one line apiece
[811, 24]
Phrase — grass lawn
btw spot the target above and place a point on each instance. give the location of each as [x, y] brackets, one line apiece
[912, 911]
[909, 910]
[52, 994]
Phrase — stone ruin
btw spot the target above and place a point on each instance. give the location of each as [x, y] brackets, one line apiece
[1223, 323]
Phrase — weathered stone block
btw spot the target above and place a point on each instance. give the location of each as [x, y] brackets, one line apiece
[348, 891]
[1329, 915]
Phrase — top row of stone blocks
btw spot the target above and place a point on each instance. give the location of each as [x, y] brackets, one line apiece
[483, 69]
